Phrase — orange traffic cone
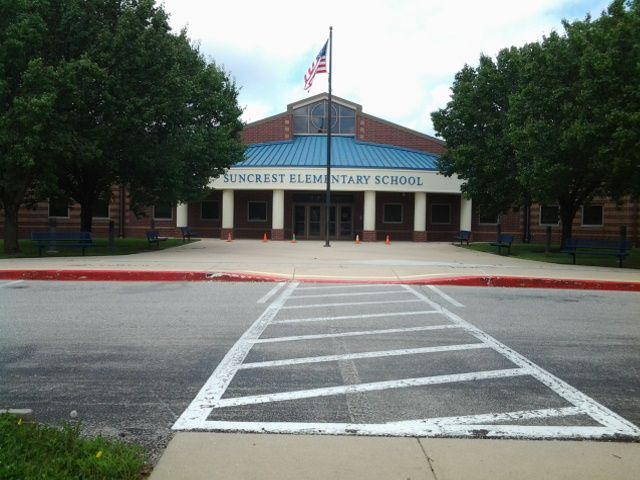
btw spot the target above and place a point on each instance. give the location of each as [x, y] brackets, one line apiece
[357, 239]
[264, 238]
[229, 237]
[293, 240]
[387, 241]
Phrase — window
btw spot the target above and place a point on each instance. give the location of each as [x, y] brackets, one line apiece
[257, 211]
[485, 217]
[210, 210]
[101, 208]
[441, 214]
[314, 118]
[549, 215]
[392, 213]
[59, 207]
[163, 211]
[592, 216]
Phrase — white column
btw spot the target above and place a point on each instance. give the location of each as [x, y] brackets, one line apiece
[227, 209]
[182, 215]
[465, 213]
[278, 210]
[369, 217]
[420, 212]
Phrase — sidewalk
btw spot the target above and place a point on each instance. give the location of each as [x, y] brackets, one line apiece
[200, 456]
[311, 261]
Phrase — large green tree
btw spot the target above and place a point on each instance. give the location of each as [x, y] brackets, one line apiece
[570, 124]
[116, 98]
[27, 96]
[139, 106]
[474, 124]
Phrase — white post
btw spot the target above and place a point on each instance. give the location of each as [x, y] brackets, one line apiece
[182, 215]
[278, 210]
[420, 212]
[465, 213]
[227, 209]
[369, 217]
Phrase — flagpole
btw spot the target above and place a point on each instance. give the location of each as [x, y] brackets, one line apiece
[328, 195]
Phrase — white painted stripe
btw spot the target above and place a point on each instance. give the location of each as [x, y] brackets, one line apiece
[348, 304]
[341, 286]
[371, 387]
[449, 299]
[8, 284]
[354, 334]
[271, 292]
[215, 386]
[355, 356]
[348, 317]
[419, 430]
[590, 407]
[496, 417]
[352, 294]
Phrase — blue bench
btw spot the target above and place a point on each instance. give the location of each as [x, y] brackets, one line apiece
[187, 233]
[62, 240]
[463, 236]
[153, 237]
[578, 246]
[503, 241]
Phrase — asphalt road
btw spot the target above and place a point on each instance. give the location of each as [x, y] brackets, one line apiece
[132, 357]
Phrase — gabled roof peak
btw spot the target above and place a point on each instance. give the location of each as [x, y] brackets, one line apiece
[324, 96]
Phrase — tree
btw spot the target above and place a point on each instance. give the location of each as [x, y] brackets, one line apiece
[26, 103]
[474, 124]
[572, 122]
[100, 92]
[140, 106]
[564, 129]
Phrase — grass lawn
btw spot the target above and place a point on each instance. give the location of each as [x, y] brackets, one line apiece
[123, 246]
[535, 251]
[32, 451]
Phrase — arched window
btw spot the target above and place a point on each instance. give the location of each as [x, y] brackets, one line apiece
[314, 119]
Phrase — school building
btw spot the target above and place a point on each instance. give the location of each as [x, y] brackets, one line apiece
[384, 181]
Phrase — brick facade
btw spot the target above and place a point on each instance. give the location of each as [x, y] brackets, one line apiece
[276, 129]
[369, 129]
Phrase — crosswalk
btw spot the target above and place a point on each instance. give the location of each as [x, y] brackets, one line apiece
[386, 360]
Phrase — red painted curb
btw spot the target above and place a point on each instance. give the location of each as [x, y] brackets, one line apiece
[181, 276]
[131, 276]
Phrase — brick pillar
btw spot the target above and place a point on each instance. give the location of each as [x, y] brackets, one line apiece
[224, 233]
[369, 217]
[420, 217]
[419, 236]
[277, 216]
[227, 214]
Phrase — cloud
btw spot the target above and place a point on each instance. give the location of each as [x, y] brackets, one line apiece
[397, 58]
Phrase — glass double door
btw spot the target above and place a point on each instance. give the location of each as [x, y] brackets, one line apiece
[309, 221]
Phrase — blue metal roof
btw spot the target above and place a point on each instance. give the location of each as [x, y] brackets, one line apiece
[346, 152]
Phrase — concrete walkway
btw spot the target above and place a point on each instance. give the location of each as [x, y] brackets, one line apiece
[400, 261]
[200, 456]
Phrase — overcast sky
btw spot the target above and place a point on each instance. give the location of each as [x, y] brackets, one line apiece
[396, 58]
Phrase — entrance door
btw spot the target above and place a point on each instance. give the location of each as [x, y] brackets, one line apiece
[309, 222]
[315, 221]
[343, 230]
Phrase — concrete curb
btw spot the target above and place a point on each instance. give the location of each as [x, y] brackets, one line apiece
[186, 276]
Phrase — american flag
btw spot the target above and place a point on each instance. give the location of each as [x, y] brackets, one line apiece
[319, 65]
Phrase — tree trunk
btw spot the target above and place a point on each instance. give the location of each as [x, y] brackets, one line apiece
[567, 213]
[86, 215]
[11, 244]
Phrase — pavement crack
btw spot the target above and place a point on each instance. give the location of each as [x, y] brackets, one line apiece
[429, 460]
[357, 404]
[164, 404]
